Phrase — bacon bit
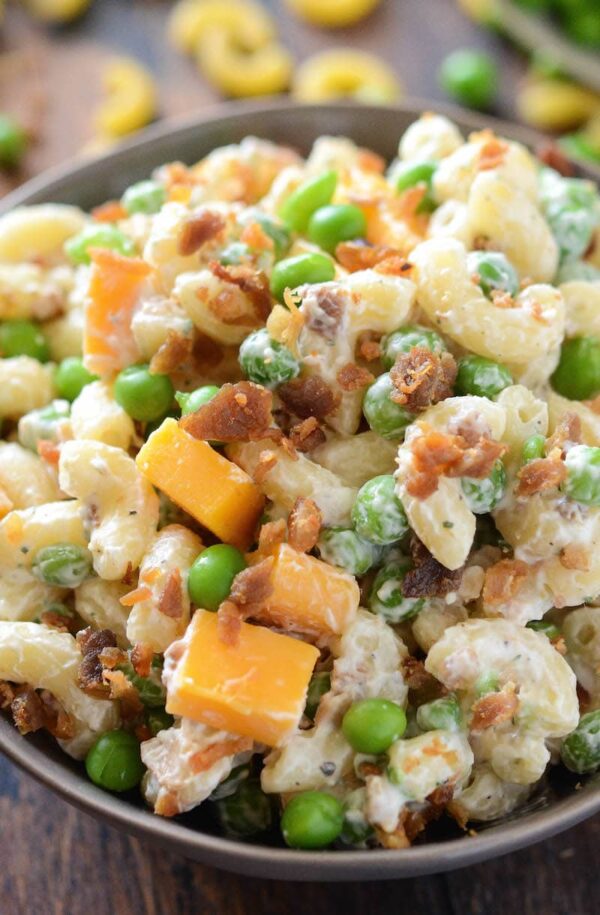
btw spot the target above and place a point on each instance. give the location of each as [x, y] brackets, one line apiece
[252, 283]
[255, 237]
[541, 474]
[493, 709]
[369, 161]
[357, 255]
[307, 435]
[90, 673]
[141, 658]
[289, 448]
[128, 576]
[175, 173]
[368, 346]
[49, 452]
[112, 657]
[249, 591]
[441, 796]
[267, 460]
[568, 430]
[205, 759]
[167, 805]
[538, 314]
[397, 265]
[414, 673]
[352, 377]
[309, 396]
[170, 602]
[122, 689]
[135, 597]
[409, 202]
[422, 378]
[429, 578]
[58, 621]
[502, 299]
[504, 580]
[197, 230]
[304, 525]
[492, 154]
[574, 556]
[553, 156]
[271, 535]
[437, 454]
[171, 354]
[240, 412]
[481, 243]
[326, 317]
[111, 211]
[142, 732]
[33, 710]
[398, 838]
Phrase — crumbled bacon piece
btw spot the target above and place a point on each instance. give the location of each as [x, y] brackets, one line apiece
[90, 674]
[493, 709]
[414, 673]
[170, 355]
[111, 657]
[422, 378]
[502, 299]
[437, 454]
[396, 265]
[111, 211]
[541, 474]
[204, 759]
[128, 576]
[240, 412]
[33, 710]
[429, 578]
[141, 658]
[49, 452]
[197, 230]
[58, 621]
[309, 396]
[552, 155]
[327, 311]
[352, 377]
[307, 435]
[285, 324]
[356, 255]
[503, 581]
[568, 431]
[122, 689]
[252, 283]
[170, 602]
[304, 525]
[368, 346]
[249, 591]
[271, 535]
[206, 353]
[267, 459]
[492, 154]
[575, 556]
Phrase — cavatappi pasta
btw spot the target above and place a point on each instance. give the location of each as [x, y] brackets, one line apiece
[300, 484]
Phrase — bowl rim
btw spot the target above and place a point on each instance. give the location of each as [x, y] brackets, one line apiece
[246, 858]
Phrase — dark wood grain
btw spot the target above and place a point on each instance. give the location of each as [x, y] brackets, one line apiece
[57, 861]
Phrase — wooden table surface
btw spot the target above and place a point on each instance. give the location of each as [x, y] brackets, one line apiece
[57, 861]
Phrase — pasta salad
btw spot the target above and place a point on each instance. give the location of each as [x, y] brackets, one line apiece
[300, 484]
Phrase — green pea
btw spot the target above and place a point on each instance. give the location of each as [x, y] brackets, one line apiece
[577, 270]
[580, 751]
[488, 682]
[13, 142]
[23, 338]
[470, 77]
[192, 401]
[63, 564]
[440, 714]
[312, 819]
[483, 495]
[577, 375]
[342, 547]
[143, 394]
[150, 689]
[44, 423]
[308, 197]
[583, 474]
[158, 719]
[356, 831]
[378, 514]
[246, 812]
[231, 784]
[265, 361]
[373, 725]
[296, 271]
[71, 377]
[583, 27]
[114, 761]
[482, 377]
[144, 197]
[211, 575]
[493, 271]
[573, 228]
[411, 174]
[277, 231]
[533, 448]
[385, 417]
[549, 629]
[97, 235]
[335, 223]
[386, 597]
[235, 253]
[405, 339]
[320, 683]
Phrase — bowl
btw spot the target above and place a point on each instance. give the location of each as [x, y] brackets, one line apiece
[558, 803]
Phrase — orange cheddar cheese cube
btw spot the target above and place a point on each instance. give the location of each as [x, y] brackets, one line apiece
[214, 491]
[113, 292]
[256, 688]
[309, 595]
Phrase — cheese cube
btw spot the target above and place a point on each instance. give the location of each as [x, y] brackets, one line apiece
[256, 687]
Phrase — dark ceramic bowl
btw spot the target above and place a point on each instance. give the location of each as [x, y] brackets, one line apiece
[559, 803]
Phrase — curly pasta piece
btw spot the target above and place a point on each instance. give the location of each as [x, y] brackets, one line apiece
[357, 458]
[25, 384]
[98, 602]
[582, 302]
[526, 415]
[456, 173]
[24, 478]
[455, 303]
[156, 318]
[581, 629]
[432, 136]
[47, 659]
[29, 292]
[96, 416]
[38, 233]
[64, 335]
[590, 420]
[172, 551]
[120, 502]
[487, 797]
[217, 308]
